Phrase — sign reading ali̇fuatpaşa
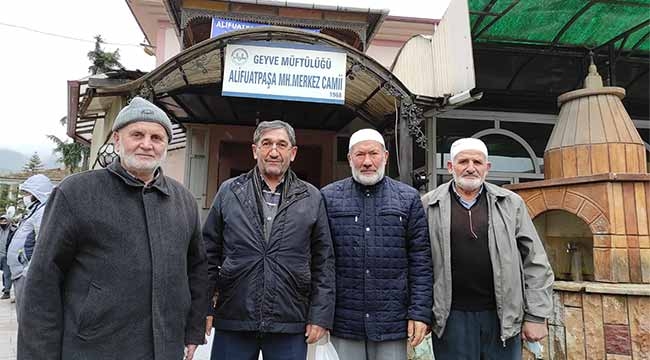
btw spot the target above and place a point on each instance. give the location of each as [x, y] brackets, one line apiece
[222, 26]
[277, 71]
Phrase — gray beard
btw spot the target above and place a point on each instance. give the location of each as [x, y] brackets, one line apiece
[467, 185]
[133, 164]
[368, 180]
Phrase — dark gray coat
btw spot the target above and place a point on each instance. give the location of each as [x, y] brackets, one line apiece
[119, 271]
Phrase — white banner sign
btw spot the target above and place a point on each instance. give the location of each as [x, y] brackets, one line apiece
[285, 72]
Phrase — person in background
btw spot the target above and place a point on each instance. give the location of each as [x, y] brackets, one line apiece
[7, 230]
[36, 191]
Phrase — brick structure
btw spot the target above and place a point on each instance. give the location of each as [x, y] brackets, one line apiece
[595, 169]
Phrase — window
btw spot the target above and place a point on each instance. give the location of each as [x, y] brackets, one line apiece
[342, 143]
[535, 134]
[507, 155]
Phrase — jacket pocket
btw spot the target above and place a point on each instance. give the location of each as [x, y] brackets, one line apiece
[395, 214]
[344, 223]
[344, 214]
[524, 305]
[304, 282]
[393, 221]
[226, 273]
[88, 324]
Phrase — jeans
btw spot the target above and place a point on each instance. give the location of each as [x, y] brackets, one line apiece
[475, 335]
[6, 275]
[246, 345]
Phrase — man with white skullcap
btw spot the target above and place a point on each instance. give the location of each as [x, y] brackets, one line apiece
[492, 279]
[119, 270]
[383, 257]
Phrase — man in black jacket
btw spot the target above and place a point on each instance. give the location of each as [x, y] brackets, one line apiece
[270, 258]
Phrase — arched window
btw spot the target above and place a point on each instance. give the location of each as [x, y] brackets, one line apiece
[509, 152]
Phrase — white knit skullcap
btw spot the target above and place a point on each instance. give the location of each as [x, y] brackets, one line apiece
[467, 144]
[366, 134]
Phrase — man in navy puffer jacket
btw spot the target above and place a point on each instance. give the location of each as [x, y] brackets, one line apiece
[383, 257]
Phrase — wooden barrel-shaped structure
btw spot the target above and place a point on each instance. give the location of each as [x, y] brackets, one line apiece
[594, 134]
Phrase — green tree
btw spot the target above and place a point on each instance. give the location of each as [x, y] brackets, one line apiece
[5, 201]
[34, 164]
[103, 61]
[4, 198]
[70, 154]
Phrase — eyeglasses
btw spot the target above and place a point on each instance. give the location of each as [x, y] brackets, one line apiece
[280, 146]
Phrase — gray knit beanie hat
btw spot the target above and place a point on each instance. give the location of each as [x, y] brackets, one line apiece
[140, 109]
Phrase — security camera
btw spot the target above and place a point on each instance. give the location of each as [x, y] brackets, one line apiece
[464, 97]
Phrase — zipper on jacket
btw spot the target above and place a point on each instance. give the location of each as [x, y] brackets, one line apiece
[504, 341]
[283, 206]
[356, 219]
[471, 225]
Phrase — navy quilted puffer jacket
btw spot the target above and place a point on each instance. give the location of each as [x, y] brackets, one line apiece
[383, 259]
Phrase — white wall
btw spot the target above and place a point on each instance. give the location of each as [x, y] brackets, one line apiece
[383, 54]
[167, 43]
[172, 45]
[174, 165]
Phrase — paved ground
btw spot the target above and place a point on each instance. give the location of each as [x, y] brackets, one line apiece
[8, 327]
[7, 330]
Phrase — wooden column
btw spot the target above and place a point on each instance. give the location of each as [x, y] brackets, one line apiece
[432, 153]
[405, 153]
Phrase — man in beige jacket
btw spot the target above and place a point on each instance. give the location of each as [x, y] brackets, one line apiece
[492, 279]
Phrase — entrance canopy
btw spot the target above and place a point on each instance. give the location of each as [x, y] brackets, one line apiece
[529, 52]
[188, 87]
[558, 24]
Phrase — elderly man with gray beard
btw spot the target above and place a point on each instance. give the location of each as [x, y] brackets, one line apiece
[119, 271]
[492, 280]
[383, 257]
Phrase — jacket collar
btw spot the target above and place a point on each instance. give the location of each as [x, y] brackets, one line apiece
[291, 185]
[244, 188]
[159, 183]
[443, 192]
[370, 188]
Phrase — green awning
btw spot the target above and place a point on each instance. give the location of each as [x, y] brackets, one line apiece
[553, 24]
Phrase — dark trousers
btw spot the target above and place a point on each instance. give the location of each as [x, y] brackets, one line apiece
[246, 345]
[6, 275]
[475, 336]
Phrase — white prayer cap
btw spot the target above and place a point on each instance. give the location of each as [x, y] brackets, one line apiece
[467, 144]
[366, 134]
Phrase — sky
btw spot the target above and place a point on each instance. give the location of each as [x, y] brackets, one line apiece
[35, 67]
